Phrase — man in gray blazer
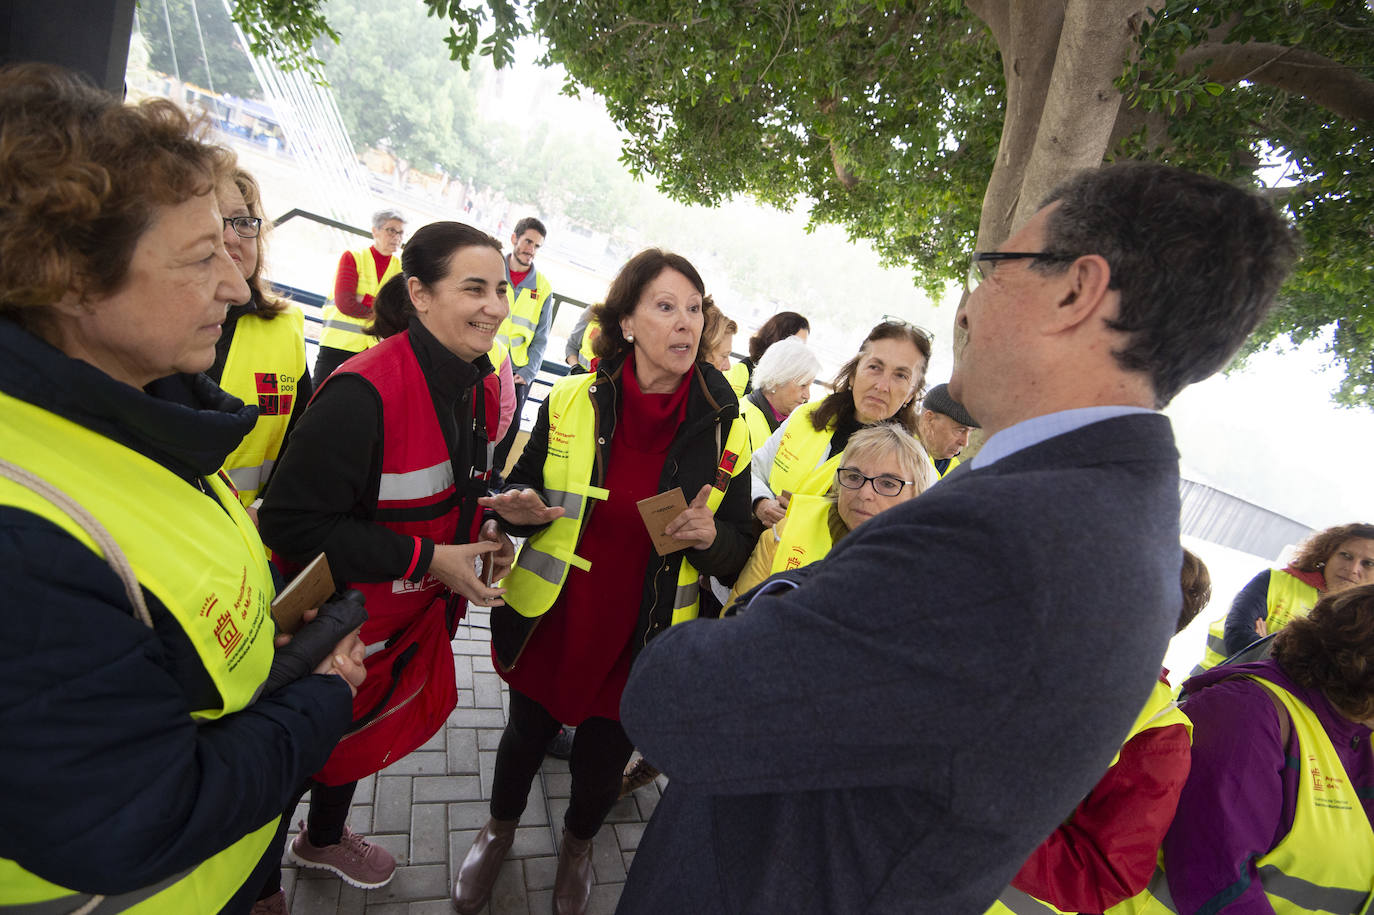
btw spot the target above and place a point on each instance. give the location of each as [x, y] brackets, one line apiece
[897, 728]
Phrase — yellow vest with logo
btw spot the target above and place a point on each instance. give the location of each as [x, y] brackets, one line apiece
[542, 564]
[585, 353]
[266, 359]
[1288, 598]
[1160, 711]
[1325, 864]
[204, 562]
[800, 466]
[805, 533]
[346, 332]
[526, 306]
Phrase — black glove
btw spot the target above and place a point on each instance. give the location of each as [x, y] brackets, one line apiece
[315, 640]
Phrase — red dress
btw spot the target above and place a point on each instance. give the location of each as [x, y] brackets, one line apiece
[578, 659]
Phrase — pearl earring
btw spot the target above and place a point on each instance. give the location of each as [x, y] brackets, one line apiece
[629, 338]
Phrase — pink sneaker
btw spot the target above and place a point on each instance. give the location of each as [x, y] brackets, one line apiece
[356, 861]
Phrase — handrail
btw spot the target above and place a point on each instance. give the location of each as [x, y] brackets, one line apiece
[323, 220]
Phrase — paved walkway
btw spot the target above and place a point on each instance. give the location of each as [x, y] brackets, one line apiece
[426, 809]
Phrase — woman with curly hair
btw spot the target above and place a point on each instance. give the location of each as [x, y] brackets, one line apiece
[1328, 562]
[1276, 813]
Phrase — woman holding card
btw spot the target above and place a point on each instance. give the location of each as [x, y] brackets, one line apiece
[382, 475]
[590, 589]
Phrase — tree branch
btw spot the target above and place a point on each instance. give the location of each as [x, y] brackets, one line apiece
[1325, 82]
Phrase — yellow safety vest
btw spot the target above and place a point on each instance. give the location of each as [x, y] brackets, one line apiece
[738, 376]
[585, 353]
[953, 462]
[1289, 597]
[207, 566]
[541, 566]
[346, 332]
[806, 533]
[1160, 711]
[266, 358]
[1325, 864]
[526, 305]
[800, 466]
[756, 421]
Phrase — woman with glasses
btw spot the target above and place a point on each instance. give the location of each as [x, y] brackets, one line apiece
[359, 278]
[881, 467]
[260, 355]
[880, 384]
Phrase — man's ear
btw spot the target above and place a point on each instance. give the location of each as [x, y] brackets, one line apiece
[1085, 291]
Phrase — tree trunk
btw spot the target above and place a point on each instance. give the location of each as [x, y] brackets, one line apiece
[1082, 104]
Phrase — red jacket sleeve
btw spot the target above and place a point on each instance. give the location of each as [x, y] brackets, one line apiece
[346, 289]
[1106, 851]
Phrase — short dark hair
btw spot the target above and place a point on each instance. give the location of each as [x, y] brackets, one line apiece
[782, 325]
[1332, 650]
[625, 291]
[85, 175]
[839, 405]
[1314, 552]
[529, 222]
[1196, 582]
[426, 257]
[1197, 263]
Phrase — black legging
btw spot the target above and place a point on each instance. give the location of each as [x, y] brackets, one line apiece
[599, 754]
[329, 805]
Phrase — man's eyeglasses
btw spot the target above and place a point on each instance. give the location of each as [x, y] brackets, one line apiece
[883, 484]
[983, 263]
[394, 233]
[244, 226]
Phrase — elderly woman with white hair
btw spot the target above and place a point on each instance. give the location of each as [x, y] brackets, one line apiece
[881, 467]
[360, 276]
[782, 382]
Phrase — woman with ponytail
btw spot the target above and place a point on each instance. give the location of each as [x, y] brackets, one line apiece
[382, 475]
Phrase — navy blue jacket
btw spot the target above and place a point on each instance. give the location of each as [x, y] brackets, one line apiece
[106, 782]
[901, 730]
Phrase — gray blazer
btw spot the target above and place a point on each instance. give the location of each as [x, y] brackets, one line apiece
[899, 732]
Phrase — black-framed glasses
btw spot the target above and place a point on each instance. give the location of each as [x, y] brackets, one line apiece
[903, 322]
[884, 484]
[982, 263]
[394, 233]
[244, 226]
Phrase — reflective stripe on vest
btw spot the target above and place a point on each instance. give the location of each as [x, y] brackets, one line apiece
[346, 332]
[1326, 862]
[541, 567]
[1160, 711]
[266, 359]
[1288, 597]
[800, 466]
[207, 567]
[805, 533]
[526, 306]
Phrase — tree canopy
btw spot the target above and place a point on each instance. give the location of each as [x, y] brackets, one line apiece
[931, 126]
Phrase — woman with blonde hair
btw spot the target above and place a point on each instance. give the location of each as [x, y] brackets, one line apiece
[881, 467]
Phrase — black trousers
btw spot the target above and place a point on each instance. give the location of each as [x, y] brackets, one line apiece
[599, 754]
[503, 447]
[326, 361]
[329, 805]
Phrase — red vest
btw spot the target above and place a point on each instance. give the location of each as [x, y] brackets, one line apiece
[410, 690]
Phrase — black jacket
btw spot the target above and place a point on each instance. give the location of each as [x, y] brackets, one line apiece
[106, 782]
[691, 464]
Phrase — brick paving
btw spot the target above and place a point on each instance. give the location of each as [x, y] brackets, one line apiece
[426, 808]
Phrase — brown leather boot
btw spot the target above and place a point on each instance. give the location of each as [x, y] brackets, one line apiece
[572, 884]
[477, 875]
